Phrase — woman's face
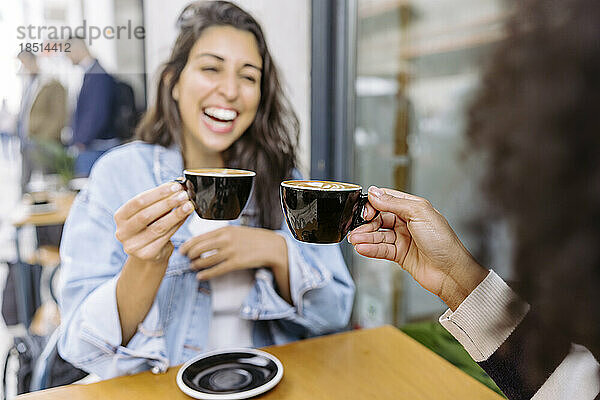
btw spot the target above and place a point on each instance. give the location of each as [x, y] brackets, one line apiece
[218, 91]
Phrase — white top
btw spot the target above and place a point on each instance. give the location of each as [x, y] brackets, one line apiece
[228, 292]
[484, 320]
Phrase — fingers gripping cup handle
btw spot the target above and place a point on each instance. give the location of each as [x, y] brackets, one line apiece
[183, 181]
[357, 219]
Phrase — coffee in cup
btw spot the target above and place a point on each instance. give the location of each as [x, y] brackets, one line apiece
[322, 211]
[218, 193]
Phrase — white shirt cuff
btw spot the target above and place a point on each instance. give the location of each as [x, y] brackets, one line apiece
[575, 378]
[485, 319]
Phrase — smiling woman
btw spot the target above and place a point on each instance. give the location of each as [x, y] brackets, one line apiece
[220, 68]
[148, 284]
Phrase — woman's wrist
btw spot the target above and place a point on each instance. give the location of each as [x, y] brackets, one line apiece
[273, 253]
[146, 266]
[137, 286]
[461, 280]
[277, 259]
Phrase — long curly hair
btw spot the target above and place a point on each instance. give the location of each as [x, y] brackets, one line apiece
[268, 146]
[538, 121]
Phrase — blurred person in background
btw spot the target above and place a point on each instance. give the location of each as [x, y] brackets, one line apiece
[42, 116]
[8, 121]
[537, 121]
[147, 284]
[93, 118]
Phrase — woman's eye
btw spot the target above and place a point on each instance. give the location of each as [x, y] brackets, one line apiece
[249, 78]
[209, 69]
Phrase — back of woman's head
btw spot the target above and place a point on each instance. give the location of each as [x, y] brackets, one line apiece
[268, 145]
[537, 118]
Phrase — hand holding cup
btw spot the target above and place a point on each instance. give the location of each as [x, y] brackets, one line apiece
[410, 232]
[146, 223]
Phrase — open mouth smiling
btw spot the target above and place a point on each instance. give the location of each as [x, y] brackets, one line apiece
[219, 119]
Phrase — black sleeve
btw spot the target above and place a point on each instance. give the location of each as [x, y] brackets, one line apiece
[508, 366]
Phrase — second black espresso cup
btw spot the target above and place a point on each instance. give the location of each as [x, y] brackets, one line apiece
[322, 211]
[218, 193]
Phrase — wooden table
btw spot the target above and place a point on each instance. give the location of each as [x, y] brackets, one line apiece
[374, 364]
[63, 202]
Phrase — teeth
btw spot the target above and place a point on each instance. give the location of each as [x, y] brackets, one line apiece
[220, 113]
[220, 125]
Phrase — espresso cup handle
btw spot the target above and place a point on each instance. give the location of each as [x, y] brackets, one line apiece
[358, 220]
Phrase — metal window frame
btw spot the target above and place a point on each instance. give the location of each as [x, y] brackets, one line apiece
[333, 73]
[333, 67]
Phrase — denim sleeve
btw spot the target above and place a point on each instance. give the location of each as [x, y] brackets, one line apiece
[92, 259]
[321, 288]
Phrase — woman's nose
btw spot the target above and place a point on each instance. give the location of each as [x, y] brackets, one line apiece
[229, 87]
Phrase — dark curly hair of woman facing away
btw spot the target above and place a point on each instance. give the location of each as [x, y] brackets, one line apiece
[537, 118]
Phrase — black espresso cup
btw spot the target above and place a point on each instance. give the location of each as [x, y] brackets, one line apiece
[218, 193]
[321, 211]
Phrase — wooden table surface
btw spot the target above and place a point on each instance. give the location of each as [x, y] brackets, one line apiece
[381, 363]
[63, 204]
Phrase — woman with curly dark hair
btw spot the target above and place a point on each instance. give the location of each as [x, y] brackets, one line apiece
[537, 120]
[146, 282]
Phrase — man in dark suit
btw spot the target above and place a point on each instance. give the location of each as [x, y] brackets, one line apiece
[93, 128]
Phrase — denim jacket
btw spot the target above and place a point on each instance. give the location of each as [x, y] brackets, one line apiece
[176, 327]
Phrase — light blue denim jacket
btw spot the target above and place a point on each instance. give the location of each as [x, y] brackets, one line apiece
[176, 327]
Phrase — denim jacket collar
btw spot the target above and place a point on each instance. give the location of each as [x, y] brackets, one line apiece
[167, 163]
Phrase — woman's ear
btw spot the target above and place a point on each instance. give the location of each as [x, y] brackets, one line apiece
[167, 79]
[175, 92]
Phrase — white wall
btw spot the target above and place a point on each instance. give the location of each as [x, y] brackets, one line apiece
[286, 25]
[11, 16]
[101, 13]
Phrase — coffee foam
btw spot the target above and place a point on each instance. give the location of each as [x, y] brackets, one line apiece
[219, 172]
[321, 185]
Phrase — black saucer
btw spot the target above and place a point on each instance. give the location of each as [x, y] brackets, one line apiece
[229, 374]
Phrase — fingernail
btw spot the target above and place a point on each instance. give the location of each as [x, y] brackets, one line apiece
[175, 187]
[375, 191]
[187, 207]
[182, 196]
[199, 276]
